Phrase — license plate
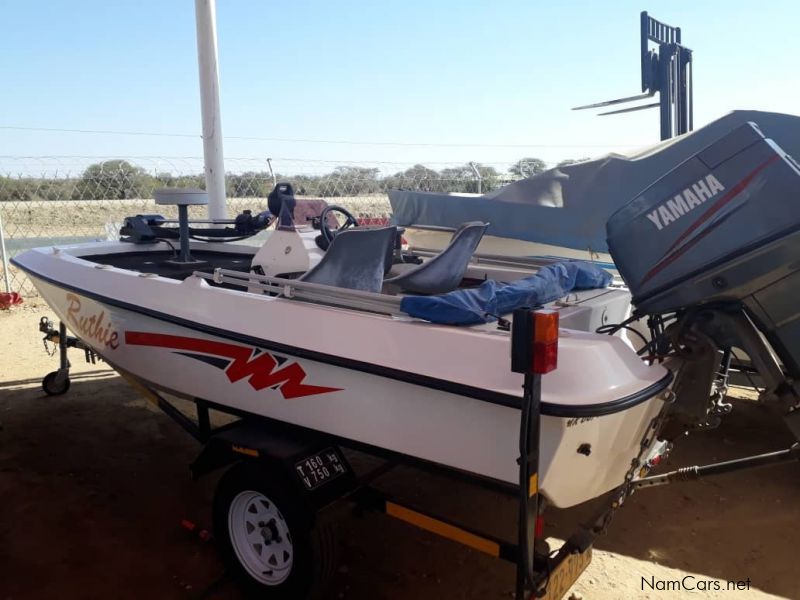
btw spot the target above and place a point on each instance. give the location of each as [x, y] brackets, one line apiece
[320, 468]
[566, 574]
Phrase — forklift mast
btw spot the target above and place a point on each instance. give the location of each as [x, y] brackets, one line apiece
[666, 70]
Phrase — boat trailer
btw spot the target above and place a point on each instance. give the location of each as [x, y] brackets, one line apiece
[315, 477]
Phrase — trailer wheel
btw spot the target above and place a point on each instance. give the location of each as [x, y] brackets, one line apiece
[270, 542]
[55, 384]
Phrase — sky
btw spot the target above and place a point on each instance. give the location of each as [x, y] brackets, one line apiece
[428, 81]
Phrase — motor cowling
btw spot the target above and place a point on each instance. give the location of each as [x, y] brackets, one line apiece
[723, 227]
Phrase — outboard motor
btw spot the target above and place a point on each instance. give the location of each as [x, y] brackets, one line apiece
[716, 243]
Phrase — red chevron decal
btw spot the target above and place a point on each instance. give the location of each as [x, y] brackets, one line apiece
[260, 369]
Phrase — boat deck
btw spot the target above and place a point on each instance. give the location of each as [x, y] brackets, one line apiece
[229, 267]
[159, 262]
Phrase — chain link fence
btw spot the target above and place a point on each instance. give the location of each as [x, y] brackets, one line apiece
[58, 200]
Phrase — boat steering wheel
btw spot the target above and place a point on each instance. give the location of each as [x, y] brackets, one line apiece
[350, 221]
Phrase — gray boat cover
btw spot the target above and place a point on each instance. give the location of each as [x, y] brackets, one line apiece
[569, 206]
[491, 299]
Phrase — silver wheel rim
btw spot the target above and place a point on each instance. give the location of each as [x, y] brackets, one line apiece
[260, 537]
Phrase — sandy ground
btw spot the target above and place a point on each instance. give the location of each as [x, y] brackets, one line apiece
[93, 486]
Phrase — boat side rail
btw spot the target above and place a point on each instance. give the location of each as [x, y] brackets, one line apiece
[303, 290]
[492, 259]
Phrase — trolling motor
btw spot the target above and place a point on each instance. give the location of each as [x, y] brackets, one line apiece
[146, 229]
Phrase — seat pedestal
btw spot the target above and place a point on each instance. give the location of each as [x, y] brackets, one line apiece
[183, 198]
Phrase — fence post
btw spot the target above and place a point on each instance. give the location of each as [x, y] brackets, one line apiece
[478, 176]
[6, 274]
[272, 173]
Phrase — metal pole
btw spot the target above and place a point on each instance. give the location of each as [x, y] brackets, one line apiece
[272, 173]
[183, 228]
[522, 359]
[729, 466]
[665, 53]
[62, 347]
[206, 21]
[529, 482]
[478, 176]
[690, 93]
[6, 274]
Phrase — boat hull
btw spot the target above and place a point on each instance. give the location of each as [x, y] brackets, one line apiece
[466, 433]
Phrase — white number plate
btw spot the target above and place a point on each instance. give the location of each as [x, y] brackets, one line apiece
[320, 468]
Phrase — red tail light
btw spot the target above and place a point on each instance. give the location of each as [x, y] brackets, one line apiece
[545, 341]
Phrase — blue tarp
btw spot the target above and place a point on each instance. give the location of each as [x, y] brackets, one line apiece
[492, 299]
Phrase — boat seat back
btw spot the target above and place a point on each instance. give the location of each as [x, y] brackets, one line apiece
[443, 272]
[355, 259]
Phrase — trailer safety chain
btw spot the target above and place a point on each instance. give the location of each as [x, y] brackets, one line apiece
[50, 335]
[62, 341]
[637, 465]
[47, 349]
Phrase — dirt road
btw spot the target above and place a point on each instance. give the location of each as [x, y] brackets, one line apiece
[93, 486]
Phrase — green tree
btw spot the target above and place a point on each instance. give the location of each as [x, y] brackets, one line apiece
[304, 185]
[114, 179]
[418, 178]
[463, 179]
[250, 184]
[527, 167]
[489, 178]
[16, 189]
[350, 181]
[35, 188]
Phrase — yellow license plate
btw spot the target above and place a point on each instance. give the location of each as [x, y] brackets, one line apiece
[566, 574]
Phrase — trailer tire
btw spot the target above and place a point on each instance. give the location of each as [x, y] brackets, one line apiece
[304, 568]
[53, 385]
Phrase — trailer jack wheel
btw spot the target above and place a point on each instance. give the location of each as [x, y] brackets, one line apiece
[268, 539]
[56, 383]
